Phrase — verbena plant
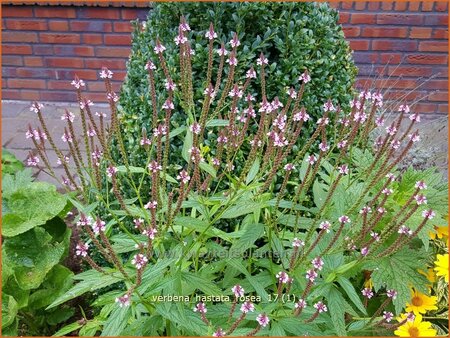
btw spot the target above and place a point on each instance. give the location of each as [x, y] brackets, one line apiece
[217, 248]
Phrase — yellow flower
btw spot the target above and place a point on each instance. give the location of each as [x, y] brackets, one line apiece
[415, 328]
[441, 266]
[368, 283]
[439, 232]
[431, 276]
[421, 303]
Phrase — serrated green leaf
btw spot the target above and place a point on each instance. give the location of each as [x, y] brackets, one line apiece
[67, 329]
[251, 233]
[243, 208]
[253, 171]
[134, 170]
[116, 322]
[336, 304]
[351, 293]
[9, 310]
[217, 123]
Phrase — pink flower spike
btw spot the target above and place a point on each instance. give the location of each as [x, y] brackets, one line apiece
[183, 176]
[222, 51]
[105, 73]
[311, 275]
[111, 171]
[317, 263]
[414, 137]
[301, 304]
[69, 116]
[139, 261]
[282, 277]
[123, 301]
[159, 48]
[421, 185]
[210, 34]
[150, 66]
[262, 319]
[404, 230]
[151, 205]
[235, 41]
[262, 60]
[320, 307]
[344, 219]
[238, 291]
[219, 333]
[195, 128]
[328, 106]
[78, 83]
[343, 169]
[151, 233]
[429, 214]
[154, 167]
[247, 307]
[305, 78]
[365, 251]
[297, 243]
[388, 316]
[404, 108]
[312, 159]
[251, 74]
[325, 225]
[420, 199]
[414, 117]
[36, 107]
[367, 292]
[82, 249]
[98, 226]
[289, 167]
[32, 161]
[392, 293]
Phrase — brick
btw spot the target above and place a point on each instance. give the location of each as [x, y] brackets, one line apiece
[420, 33]
[133, 14]
[26, 83]
[9, 72]
[8, 60]
[29, 95]
[409, 71]
[396, 83]
[69, 75]
[34, 73]
[59, 38]
[365, 57]
[358, 18]
[14, 36]
[17, 11]
[443, 108]
[373, 5]
[16, 49]
[400, 19]
[414, 6]
[439, 96]
[440, 72]
[59, 85]
[54, 12]
[33, 61]
[360, 5]
[351, 31]
[391, 58]
[427, 6]
[8, 94]
[116, 39]
[440, 33]
[433, 46]
[64, 62]
[122, 27]
[26, 25]
[92, 39]
[427, 59]
[98, 64]
[386, 32]
[400, 6]
[99, 13]
[387, 5]
[359, 44]
[116, 52]
[334, 4]
[43, 50]
[58, 25]
[436, 19]
[74, 51]
[90, 26]
[366, 70]
[347, 4]
[425, 107]
[68, 96]
[441, 6]
[343, 17]
[395, 95]
[436, 84]
[394, 45]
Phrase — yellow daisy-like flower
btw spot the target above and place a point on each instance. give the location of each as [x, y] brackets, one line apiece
[421, 303]
[439, 232]
[431, 276]
[416, 328]
[441, 266]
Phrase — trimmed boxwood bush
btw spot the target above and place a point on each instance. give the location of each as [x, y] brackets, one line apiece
[293, 36]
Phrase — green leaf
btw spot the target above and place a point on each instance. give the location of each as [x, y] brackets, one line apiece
[31, 206]
[202, 227]
[32, 255]
[336, 303]
[183, 317]
[208, 168]
[351, 293]
[67, 329]
[399, 272]
[253, 171]
[116, 322]
[217, 123]
[123, 169]
[91, 280]
[9, 310]
[201, 283]
[243, 208]
[259, 289]
[12, 183]
[319, 193]
[154, 272]
[251, 233]
[187, 145]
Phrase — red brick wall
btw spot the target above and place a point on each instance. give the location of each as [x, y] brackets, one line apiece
[45, 46]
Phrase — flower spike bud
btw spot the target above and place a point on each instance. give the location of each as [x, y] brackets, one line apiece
[210, 34]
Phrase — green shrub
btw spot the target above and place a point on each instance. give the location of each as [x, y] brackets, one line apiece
[294, 36]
